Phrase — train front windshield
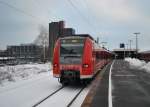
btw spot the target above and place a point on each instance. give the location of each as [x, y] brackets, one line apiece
[71, 52]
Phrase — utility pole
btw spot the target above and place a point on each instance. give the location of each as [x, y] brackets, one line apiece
[124, 52]
[130, 48]
[136, 34]
[97, 40]
[103, 44]
[127, 49]
[44, 51]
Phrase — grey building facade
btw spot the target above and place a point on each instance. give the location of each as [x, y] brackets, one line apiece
[25, 52]
[56, 30]
[122, 53]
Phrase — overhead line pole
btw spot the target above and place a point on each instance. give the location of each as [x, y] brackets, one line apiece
[130, 47]
[136, 34]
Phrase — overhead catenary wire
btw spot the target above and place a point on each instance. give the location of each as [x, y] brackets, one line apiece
[96, 25]
[53, 14]
[38, 19]
[21, 11]
[89, 10]
[44, 9]
[81, 14]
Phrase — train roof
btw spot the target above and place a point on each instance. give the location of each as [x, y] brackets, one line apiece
[79, 36]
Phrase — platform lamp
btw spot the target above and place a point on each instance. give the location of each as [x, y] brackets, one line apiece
[127, 48]
[130, 52]
[103, 44]
[136, 35]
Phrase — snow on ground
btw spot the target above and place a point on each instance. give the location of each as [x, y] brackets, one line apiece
[15, 73]
[147, 67]
[63, 98]
[140, 64]
[78, 102]
[28, 92]
[25, 85]
[135, 62]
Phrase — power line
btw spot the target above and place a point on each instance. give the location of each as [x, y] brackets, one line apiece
[20, 10]
[85, 1]
[89, 10]
[46, 9]
[71, 3]
[80, 13]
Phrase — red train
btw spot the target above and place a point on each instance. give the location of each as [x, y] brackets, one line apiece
[78, 58]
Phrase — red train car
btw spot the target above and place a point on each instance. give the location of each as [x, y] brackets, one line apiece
[78, 58]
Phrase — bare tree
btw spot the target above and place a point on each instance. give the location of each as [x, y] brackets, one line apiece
[42, 40]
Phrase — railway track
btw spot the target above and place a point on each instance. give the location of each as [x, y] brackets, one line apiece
[71, 102]
[51, 95]
[38, 103]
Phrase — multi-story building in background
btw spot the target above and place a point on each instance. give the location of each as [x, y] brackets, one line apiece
[56, 30]
[25, 52]
[67, 32]
[21, 54]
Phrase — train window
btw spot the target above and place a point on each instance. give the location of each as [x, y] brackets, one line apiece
[71, 53]
[69, 49]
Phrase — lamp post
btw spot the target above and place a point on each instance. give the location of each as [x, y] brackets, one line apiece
[130, 48]
[126, 53]
[136, 34]
[103, 44]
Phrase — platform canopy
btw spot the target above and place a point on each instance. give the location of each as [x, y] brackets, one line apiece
[122, 53]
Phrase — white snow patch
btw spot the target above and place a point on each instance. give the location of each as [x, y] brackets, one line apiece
[135, 62]
[78, 102]
[9, 74]
[147, 67]
[28, 92]
[139, 64]
[37, 83]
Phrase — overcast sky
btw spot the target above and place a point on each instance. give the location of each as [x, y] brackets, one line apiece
[113, 21]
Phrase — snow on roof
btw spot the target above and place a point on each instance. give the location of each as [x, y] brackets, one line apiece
[7, 58]
[122, 49]
[145, 51]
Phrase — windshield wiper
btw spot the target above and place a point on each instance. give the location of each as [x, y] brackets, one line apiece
[75, 56]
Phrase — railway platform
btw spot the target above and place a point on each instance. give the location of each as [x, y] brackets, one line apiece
[130, 87]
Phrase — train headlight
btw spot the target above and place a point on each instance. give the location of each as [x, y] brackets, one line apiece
[55, 65]
[85, 65]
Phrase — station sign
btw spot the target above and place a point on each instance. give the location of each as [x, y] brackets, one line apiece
[72, 41]
[122, 45]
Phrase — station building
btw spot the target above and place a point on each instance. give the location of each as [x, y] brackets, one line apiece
[145, 55]
[121, 53]
[21, 54]
[25, 52]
